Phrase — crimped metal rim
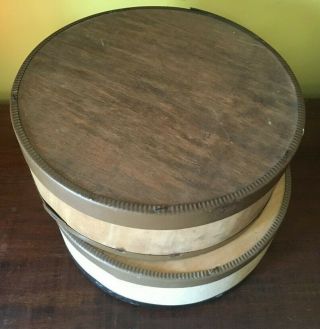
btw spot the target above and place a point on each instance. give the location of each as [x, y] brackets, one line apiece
[217, 202]
[196, 277]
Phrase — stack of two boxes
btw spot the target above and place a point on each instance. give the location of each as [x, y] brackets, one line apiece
[159, 140]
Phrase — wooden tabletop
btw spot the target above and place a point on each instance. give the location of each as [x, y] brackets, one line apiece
[40, 286]
[159, 107]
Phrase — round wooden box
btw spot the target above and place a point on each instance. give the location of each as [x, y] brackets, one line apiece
[184, 281]
[156, 131]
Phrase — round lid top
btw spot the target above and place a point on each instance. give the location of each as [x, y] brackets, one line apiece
[158, 106]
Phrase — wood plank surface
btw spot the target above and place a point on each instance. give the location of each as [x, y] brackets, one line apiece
[40, 287]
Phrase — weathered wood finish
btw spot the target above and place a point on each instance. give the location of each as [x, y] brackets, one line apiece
[159, 107]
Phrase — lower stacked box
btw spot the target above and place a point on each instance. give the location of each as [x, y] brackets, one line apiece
[188, 280]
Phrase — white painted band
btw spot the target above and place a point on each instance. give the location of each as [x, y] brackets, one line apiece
[157, 295]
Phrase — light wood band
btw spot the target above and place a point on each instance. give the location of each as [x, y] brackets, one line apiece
[152, 242]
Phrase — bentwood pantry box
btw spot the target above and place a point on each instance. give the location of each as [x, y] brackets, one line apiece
[158, 139]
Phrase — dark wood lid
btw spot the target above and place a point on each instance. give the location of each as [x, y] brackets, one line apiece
[158, 107]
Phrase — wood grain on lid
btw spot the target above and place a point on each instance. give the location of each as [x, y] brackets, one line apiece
[158, 106]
